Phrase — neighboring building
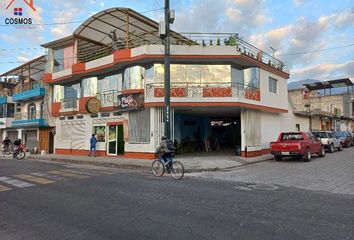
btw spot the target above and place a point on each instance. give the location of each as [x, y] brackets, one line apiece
[26, 107]
[327, 105]
[224, 93]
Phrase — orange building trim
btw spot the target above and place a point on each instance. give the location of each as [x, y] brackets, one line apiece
[78, 68]
[56, 108]
[218, 104]
[121, 54]
[47, 77]
[140, 155]
[255, 153]
[82, 104]
[132, 91]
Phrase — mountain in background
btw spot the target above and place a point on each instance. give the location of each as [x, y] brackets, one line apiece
[299, 84]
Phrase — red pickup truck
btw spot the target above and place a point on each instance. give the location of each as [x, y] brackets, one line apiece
[297, 144]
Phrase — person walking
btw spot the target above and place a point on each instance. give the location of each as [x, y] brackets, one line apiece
[93, 142]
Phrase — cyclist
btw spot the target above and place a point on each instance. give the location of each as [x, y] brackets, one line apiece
[166, 149]
[17, 144]
[6, 143]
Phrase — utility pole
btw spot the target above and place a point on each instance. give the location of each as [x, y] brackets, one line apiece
[167, 83]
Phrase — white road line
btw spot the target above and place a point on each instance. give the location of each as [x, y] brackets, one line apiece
[50, 176]
[16, 183]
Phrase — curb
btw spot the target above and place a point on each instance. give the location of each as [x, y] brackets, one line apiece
[141, 167]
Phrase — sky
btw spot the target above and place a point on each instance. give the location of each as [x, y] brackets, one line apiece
[315, 38]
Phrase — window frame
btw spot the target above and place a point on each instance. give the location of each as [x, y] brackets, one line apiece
[272, 88]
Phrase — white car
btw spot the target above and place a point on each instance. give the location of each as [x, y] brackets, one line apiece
[329, 140]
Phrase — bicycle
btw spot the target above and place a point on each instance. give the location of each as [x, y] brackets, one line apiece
[17, 153]
[172, 166]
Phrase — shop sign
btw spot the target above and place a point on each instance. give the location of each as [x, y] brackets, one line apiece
[93, 105]
[130, 101]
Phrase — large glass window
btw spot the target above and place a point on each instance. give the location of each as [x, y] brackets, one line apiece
[191, 73]
[89, 87]
[251, 77]
[108, 83]
[72, 91]
[58, 93]
[58, 59]
[134, 78]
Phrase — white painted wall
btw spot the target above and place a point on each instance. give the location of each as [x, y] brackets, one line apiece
[289, 120]
[270, 128]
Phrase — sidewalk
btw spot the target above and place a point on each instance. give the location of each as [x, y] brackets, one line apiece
[196, 162]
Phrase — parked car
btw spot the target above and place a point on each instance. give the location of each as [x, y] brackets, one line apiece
[345, 137]
[297, 144]
[328, 140]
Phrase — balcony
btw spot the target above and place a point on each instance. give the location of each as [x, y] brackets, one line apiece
[68, 105]
[197, 92]
[29, 91]
[34, 119]
[108, 98]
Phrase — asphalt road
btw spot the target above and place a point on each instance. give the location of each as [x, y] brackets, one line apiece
[116, 204]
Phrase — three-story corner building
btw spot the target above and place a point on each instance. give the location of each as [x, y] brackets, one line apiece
[107, 79]
[25, 107]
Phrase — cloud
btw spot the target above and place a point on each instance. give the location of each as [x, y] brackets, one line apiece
[341, 19]
[22, 59]
[8, 38]
[298, 2]
[324, 71]
[227, 15]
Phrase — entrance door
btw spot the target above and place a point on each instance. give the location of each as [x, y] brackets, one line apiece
[115, 140]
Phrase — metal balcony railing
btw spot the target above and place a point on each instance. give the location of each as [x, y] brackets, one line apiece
[243, 47]
[108, 98]
[205, 90]
[68, 103]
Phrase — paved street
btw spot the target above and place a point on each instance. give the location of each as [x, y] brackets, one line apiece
[63, 201]
[334, 173]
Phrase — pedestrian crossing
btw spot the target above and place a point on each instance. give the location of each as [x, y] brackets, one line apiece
[19, 181]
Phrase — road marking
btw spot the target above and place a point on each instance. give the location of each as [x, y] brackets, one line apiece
[34, 179]
[105, 172]
[68, 174]
[15, 182]
[84, 172]
[3, 188]
[53, 177]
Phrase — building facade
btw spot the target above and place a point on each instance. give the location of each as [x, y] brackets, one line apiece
[327, 105]
[25, 107]
[226, 93]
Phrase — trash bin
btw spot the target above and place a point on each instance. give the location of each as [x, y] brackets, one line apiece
[238, 150]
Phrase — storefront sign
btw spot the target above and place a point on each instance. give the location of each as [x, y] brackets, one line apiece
[130, 101]
[93, 105]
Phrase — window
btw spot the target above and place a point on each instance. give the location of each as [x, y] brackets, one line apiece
[89, 87]
[273, 85]
[139, 124]
[42, 110]
[109, 83]
[18, 107]
[58, 60]
[251, 77]
[32, 111]
[58, 93]
[72, 91]
[2, 110]
[297, 127]
[134, 78]
[100, 132]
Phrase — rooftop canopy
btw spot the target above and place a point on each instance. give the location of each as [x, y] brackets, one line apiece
[32, 70]
[125, 25]
[338, 83]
